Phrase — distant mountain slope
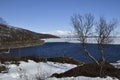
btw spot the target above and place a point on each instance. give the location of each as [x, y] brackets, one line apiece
[13, 37]
[43, 36]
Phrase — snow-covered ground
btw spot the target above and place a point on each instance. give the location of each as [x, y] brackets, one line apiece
[117, 64]
[31, 71]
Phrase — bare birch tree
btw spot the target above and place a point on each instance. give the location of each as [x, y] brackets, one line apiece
[104, 30]
[83, 28]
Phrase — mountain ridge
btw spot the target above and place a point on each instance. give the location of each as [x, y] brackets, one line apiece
[13, 37]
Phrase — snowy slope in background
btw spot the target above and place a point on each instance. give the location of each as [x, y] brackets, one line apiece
[30, 70]
[75, 40]
[59, 33]
[66, 36]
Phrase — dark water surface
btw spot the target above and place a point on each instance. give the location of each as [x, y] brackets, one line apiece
[74, 50]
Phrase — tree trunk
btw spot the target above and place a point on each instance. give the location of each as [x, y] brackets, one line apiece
[102, 63]
[102, 58]
[88, 53]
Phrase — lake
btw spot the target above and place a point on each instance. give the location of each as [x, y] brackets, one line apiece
[74, 50]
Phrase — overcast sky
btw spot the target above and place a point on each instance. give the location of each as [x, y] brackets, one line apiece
[51, 15]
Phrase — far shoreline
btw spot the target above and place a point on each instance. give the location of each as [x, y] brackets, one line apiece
[20, 44]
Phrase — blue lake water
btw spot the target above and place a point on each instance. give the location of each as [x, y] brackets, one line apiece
[74, 50]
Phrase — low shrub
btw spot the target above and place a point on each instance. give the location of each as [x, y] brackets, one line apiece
[64, 60]
[15, 60]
